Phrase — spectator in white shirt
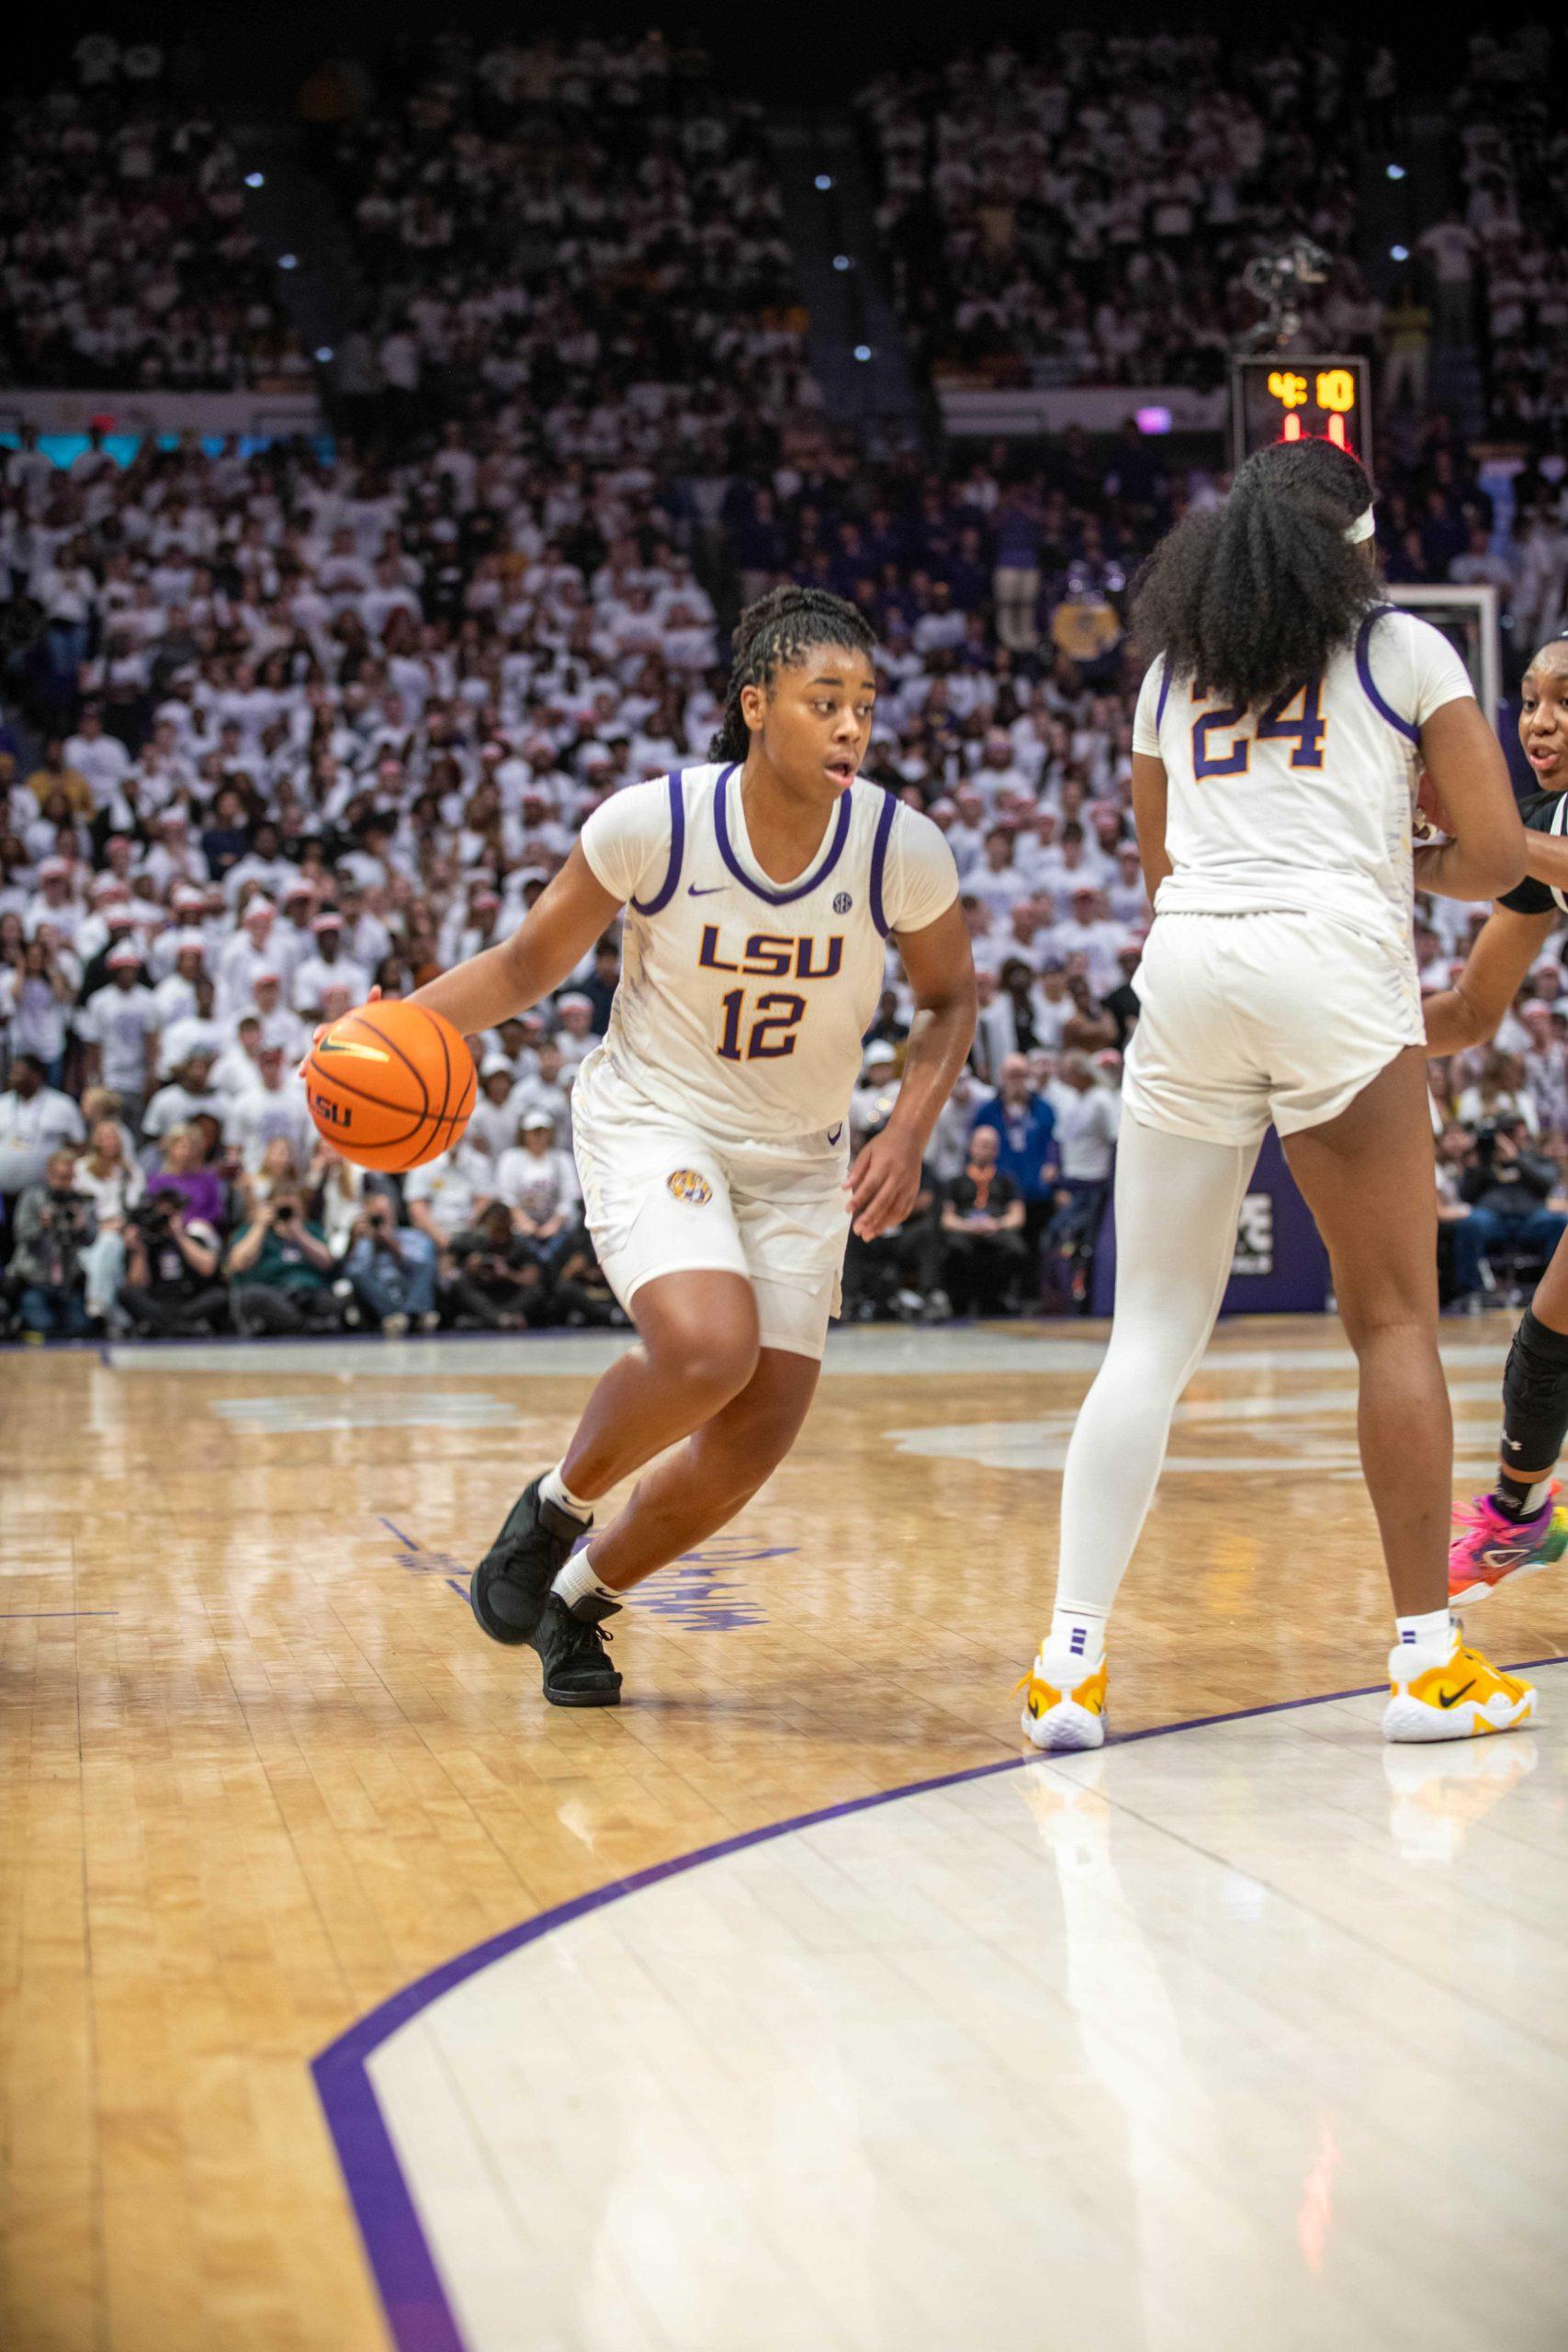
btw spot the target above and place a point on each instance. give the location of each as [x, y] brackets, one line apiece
[244, 957]
[995, 881]
[448, 1196]
[271, 1110]
[190, 1090]
[118, 1026]
[329, 967]
[575, 1037]
[35, 1120]
[175, 994]
[493, 1123]
[101, 758]
[539, 1187]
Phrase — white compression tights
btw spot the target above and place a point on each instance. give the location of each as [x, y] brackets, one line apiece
[1176, 1205]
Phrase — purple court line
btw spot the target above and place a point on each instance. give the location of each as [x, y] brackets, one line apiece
[418, 2313]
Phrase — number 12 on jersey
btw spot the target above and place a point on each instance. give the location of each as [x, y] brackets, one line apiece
[772, 1033]
[1306, 732]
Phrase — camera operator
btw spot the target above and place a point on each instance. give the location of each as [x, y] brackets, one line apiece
[1508, 1191]
[392, 1269]
[498, 1283]
[280, 1269]
[172, 1290]
[54, 1225]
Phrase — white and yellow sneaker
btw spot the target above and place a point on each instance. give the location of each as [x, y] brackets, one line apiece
[1465, 1698]
[1059, 1713]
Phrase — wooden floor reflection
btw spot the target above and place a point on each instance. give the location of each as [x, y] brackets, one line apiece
[261, 1769]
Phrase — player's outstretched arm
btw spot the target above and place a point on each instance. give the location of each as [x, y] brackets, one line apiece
[885, 1181]
[1470, 778]
[548, 944]
[1494, 971]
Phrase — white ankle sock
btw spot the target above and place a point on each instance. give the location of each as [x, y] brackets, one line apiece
[554, 1489]
[1431, 1636]
[1081, 1632]
[577, 1582]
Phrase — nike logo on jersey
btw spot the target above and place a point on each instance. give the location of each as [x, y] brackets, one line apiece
[836, 1132]
[711, 891]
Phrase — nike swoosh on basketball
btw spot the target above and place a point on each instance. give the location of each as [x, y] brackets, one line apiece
[359, 1053]
[711, 890]
[1452, 1699]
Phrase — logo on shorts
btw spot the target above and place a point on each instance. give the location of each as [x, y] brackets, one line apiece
[842, 903]
[688, 1186]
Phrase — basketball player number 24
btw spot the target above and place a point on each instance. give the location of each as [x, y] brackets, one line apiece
[1305, 732]
[771, 1034]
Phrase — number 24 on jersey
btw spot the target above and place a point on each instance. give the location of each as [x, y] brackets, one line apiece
[1305, 730]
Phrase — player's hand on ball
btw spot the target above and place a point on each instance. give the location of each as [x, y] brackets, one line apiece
[884, 1184]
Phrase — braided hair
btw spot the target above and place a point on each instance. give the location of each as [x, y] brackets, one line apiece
[1250, 600]
[775, 634]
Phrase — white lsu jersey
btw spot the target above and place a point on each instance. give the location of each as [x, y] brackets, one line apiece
[742, 1001]
[1305, 806]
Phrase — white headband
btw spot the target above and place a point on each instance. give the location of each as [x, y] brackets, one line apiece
[1361, 528]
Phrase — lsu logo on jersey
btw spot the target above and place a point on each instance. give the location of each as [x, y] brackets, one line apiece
[686, 1184]
[769, 956]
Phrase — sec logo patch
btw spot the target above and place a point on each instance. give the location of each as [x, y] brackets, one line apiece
[842, 903]
[688, 1186]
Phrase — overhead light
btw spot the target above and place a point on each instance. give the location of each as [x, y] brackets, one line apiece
[1396, 171]
[862, 351]
[288, 261]
[1399, 253]
[842, 261]
[255, 179]
[824, 181]
[324, 353]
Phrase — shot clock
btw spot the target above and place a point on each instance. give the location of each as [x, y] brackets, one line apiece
[1279, 396]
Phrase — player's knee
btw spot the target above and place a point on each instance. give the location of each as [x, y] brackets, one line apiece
[712, 1360]
[721, 1362]
[1373, 1322]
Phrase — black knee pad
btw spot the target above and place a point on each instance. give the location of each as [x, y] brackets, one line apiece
[1535, 1397]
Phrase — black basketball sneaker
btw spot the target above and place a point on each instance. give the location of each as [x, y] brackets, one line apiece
[572, 1649]
[509, 1585]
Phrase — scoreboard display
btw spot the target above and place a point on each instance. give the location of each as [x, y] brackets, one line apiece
[1278, 396]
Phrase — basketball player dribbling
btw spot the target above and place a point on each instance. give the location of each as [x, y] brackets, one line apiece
[710, 1124]
[1519, 1526]
[1277, 743]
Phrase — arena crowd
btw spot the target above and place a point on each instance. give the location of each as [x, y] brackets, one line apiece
[282, 726]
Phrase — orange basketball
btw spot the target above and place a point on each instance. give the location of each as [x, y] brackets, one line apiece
[390, 1085]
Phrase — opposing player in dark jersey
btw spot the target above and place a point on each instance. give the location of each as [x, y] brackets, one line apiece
[1519, 1526]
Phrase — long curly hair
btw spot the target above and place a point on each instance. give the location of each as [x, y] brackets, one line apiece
[774, 634]
[1249, 599]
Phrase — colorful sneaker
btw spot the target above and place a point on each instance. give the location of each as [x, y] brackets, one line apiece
[1465, 1698]
[1489, 1545]
[1059, 1713]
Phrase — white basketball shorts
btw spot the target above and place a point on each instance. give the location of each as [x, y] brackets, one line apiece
[1246, 1020]
[665, 1198]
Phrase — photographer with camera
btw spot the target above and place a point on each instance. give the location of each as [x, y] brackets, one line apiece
[497, 1283]
[280, 1269]
[392, 1269]
[172, 1289]
[54, 1225]
[1508, 1191]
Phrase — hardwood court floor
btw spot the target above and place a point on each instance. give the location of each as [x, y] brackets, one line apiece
[260, 1770]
